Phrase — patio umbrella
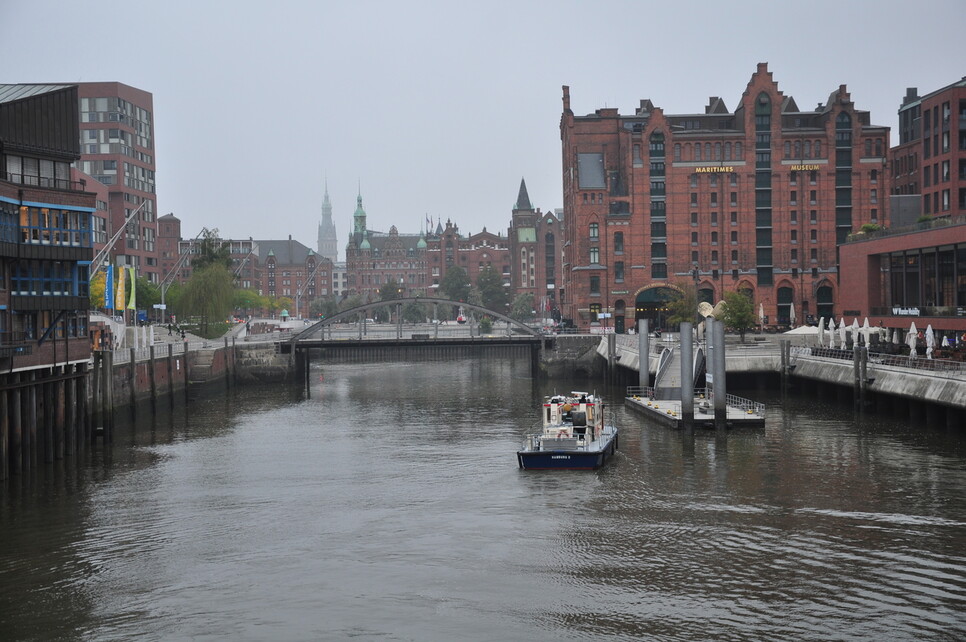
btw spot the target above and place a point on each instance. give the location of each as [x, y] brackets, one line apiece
[831, 332]
[866, 331]
[791, 314]
[895, 337]
[945, 342]
[854, 329]
[821, 331]
[930, 341]
[761, 313]
[842, 333]
[911, 339]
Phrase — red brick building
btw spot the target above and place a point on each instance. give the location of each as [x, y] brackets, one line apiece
[534, 258]
[755, 199]
[914, 273]
[117, 148]
[930, 158]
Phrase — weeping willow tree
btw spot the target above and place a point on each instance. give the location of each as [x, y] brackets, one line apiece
[209, 295]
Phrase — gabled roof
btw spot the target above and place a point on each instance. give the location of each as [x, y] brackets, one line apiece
[286, 252]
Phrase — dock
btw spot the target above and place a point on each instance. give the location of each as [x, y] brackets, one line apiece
[741, 412]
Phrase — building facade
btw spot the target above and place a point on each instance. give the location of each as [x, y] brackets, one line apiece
[756, 200]
[45, 251]
[536, 239]
[930, 158]
[117, 149]
[908, 274]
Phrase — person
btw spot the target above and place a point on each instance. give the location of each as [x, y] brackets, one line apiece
[182, 334]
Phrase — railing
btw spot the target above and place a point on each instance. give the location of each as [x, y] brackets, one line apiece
[941, 221]
[747, 405]
[879, 359]
[45, 182]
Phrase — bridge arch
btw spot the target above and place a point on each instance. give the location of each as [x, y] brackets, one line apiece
[355, 312]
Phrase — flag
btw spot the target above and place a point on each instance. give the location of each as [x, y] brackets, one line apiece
[109, 286]
[119, 297]
[429, 223]
[132, 302]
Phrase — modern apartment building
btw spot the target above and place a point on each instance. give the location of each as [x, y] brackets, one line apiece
[754, 199]
[117, 148]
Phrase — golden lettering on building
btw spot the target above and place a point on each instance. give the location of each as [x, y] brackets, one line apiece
[713, 170]
[805, 168]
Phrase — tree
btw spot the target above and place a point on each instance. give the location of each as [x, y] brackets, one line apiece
[209, 295]
[739, 312]
[211, 251]
[522, 307]
[683, 308]
[350, 302]
[324, 307]
[414, 312]
[492, 292]
[456, 284]
[390, 291]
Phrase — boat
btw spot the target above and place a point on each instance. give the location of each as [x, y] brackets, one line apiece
[461, 318]
[573, 434]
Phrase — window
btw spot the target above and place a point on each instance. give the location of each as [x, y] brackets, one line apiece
[714, 238]
[595, 286]
[694, 181]
[813, 236]
[734, 180]
[793, 178]
[714, 257]
[694, 258]
[873, 196]
[677, 151]
[714, 199]
[714, 219]
[714, 180]
[734, 238]
[694, 199]
[594, 255]
[813, 217]
[659, 271]
[694, 238]
[874, 176]
[594, 231]
[812, 197]
[694, 218]
[734, 257]
[793, 216]
[813, 254]
[619, 271]
[794, 255]
[734, 218]
[794, 236]
[812, 177]
[794, 198]
[618, 242]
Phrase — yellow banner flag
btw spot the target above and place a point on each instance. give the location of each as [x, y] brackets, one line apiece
[132, 302]
[119, 290]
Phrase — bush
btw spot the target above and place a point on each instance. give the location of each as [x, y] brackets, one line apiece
[486, 325]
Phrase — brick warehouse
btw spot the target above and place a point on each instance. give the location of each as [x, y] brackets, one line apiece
[756, 200]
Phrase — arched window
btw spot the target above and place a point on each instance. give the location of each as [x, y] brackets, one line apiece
[594, 231]
[788, 149]
[808, 149]
[798, 149]
[727, 151]
[677, 151]
[868, 147]
[656, 146]
[697, 151]
[878, 147]
[717, 151]
[707, 151]
[843, 121]
[818, 149]
[739, 152]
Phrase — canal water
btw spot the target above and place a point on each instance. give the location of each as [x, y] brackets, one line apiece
[388, 505]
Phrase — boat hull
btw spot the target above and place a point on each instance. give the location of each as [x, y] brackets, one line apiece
[567, 459]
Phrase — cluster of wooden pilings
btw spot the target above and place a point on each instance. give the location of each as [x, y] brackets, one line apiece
[45, 415]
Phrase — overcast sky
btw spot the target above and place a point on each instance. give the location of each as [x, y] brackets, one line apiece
[439, 108]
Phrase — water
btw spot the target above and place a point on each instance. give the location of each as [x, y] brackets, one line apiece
[388, 505]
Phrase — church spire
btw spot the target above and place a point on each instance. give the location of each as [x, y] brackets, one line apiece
[328, 241]
[523, 198]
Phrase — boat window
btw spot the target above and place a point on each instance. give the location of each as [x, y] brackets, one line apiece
[590, 413]
[548, 414]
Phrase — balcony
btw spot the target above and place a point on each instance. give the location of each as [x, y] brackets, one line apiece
[45, 182]
[14, 343]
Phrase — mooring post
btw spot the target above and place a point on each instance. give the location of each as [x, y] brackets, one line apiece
[857, 374]
[687, 375]
[644, 354]
[154, 383]
[171, 373]
[96, 401]
[134, 380]
[720, 385]
[611, 357]
[107, 371]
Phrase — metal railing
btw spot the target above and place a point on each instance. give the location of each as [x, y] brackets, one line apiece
[944, 366]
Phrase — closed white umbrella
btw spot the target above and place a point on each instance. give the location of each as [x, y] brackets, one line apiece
[866, 331]
[895, 337]
[945, 342]
[842, 332]
[930, 341]
[761, 313]
[791, 314]
[821, 332]
[911, 339]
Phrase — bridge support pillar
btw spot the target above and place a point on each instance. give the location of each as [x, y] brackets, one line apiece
[687, 375]
[644, 353]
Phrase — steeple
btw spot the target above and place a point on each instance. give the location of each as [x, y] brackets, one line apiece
[359, 218]
[328, 244]
[523, 198]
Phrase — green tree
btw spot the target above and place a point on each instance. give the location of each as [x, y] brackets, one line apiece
[350, 302]
[522, 307]
[414, 312]
[486, 325]
[683, 308]
[391, 291]
[492, 293]
[739, 312]
[211, 251]
[247, 301]
[456, 284]
[208, 295]
[324, 307]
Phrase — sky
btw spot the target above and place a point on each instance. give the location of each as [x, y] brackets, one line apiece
[439, 109]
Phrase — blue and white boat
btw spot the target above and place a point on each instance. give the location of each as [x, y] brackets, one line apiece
[573, 435]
